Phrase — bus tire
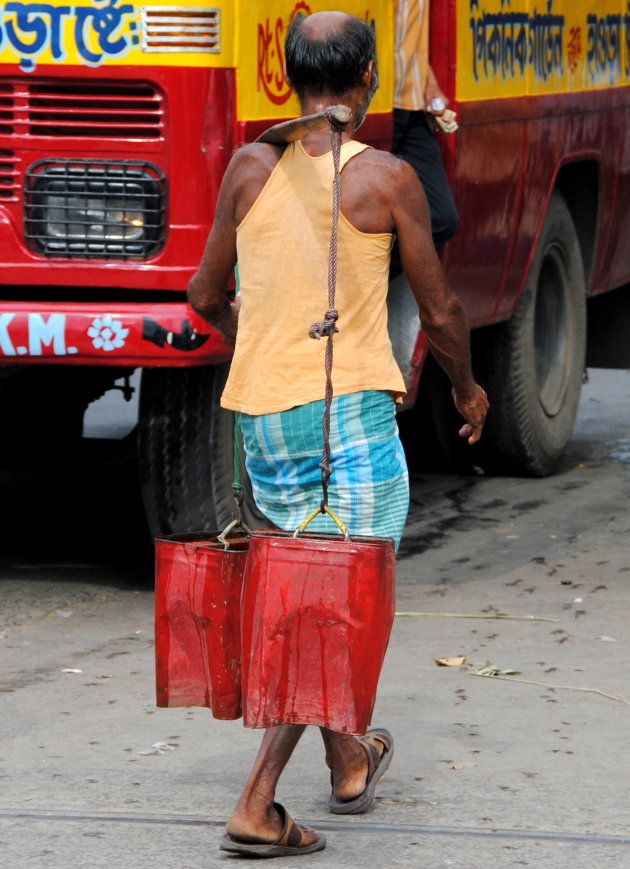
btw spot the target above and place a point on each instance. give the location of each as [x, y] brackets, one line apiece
[534, 362]
[185, 452]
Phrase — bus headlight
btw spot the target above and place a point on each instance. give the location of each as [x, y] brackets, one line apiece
[102, 209]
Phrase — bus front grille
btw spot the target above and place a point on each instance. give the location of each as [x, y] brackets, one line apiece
[97, 108]
[9, 175]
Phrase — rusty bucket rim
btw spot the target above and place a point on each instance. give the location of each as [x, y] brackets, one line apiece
[332, 537]
[202, 539]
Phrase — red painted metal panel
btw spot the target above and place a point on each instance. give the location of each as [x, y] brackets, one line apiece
[509, 153]
[487, 186]
[193, 113]
[503, 164]
[197, 622]
[316, 616]
[442, 56]
[168, 334]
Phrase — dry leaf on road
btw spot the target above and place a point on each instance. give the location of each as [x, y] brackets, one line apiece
[451, 662]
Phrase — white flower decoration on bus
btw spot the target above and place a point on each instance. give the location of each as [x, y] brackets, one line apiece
[107, 333]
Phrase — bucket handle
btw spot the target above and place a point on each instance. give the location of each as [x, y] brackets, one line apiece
[323, 509]
[235, 523]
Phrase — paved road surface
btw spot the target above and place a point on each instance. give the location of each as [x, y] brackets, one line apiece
[487, 773]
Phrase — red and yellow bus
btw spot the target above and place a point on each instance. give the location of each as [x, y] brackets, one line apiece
[117, 121]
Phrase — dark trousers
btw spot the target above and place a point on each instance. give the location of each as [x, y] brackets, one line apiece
[415, 142]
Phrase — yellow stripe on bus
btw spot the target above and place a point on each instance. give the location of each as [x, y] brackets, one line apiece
[262, 88]
[536, 47]
[246, 34]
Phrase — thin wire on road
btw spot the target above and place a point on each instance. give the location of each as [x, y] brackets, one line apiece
[327, 826]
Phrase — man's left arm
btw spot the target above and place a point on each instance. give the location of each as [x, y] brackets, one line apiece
[442, 315]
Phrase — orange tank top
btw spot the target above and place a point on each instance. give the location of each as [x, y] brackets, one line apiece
[282, 246]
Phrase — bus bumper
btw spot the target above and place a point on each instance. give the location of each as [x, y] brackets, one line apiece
[153, 335]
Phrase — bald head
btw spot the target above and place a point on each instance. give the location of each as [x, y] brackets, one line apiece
[320, 25]
[328, 52]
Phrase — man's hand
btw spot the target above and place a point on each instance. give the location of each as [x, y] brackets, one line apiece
[474, 410]
[435, 100]
[225, 319]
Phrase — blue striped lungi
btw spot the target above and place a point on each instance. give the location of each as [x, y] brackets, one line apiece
[369, 487]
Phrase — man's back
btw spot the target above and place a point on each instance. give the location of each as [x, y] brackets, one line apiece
[283, 246]
[371, 182]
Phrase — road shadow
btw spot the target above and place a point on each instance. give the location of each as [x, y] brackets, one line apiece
[79, 515]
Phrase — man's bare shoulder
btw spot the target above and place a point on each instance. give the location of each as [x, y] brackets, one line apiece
[384, 170]
[255, 156]
[247, 174]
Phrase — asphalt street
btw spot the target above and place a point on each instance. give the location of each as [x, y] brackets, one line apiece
[527, 768]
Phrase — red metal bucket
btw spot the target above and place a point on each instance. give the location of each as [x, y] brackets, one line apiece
[198, 585]
[316, 616]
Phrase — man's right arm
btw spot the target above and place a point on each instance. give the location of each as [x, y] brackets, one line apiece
[245, 177]
[207, 290]
[442, 315]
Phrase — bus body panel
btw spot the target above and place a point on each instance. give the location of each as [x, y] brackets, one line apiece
[534, 91]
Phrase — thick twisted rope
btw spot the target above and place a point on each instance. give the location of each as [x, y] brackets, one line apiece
[327, 328]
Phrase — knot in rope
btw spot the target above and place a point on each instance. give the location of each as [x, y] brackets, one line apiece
[326, 469]
[326, 328]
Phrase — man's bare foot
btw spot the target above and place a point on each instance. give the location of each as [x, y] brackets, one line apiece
[262, 825]
[352, 781]
[294, 840]
[354, 793]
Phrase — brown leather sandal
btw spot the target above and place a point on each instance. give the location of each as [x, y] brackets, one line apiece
[286, 845]
[378, 763]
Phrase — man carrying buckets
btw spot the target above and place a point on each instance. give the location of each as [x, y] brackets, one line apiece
[274, 216]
